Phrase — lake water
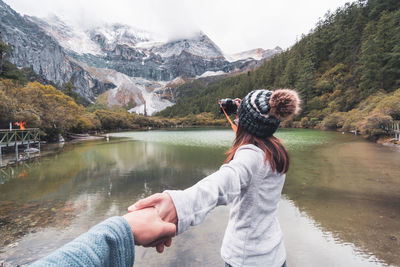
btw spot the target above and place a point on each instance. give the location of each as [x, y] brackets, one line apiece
[340, 205]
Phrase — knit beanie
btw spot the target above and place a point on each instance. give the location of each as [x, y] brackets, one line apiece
[261, 111]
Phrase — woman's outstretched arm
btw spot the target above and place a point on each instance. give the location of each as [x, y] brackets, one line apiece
[190, 207]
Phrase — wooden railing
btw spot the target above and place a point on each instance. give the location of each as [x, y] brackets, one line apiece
[394, 128]
[19, 137]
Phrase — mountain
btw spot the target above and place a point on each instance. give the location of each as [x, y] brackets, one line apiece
[35, 49]
[138, 53]
[138, 57]
[136, 65]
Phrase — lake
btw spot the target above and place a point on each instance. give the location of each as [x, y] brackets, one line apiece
[340, 204]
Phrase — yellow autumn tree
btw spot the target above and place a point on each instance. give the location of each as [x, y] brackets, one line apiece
[56, 112]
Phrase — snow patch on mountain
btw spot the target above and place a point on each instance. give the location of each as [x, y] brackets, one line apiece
[254, 54]
[257, 54]
[144, 96]
[152, 104]
[211, 73]
[149, 44]
[72, 39]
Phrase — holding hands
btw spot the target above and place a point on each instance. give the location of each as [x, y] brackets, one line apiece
[147, 226]
[153, 221]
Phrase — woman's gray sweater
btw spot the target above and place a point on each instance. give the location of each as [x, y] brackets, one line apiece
[253, 236]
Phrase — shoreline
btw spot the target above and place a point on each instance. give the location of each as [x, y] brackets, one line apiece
[389, 142]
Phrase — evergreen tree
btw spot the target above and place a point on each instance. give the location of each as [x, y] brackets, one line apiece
[370, 63]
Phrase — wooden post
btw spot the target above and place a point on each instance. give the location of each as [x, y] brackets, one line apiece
[398, 130]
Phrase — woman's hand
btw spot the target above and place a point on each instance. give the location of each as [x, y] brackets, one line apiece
[162, 202]
[238, 101]
[166, 210]
[147, 226]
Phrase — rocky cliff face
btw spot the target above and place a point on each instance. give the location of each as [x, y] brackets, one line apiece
[35, 49]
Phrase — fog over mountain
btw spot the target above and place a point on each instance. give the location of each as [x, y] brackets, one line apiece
[234, 25]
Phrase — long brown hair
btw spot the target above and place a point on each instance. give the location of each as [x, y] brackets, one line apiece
[275, 153]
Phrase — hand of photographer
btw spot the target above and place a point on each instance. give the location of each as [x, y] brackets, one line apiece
[147, 226]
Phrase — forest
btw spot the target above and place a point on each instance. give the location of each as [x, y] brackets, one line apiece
[347, 70]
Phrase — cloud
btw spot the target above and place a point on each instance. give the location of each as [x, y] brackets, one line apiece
[234, 25]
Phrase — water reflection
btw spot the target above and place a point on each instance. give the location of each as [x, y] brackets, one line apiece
[351, 190]
[341, 198]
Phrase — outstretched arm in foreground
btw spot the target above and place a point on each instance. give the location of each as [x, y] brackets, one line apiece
[112, 242]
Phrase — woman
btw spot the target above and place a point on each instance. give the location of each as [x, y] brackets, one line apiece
[251, 179]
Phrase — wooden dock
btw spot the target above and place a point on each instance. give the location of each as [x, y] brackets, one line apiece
[16, 138]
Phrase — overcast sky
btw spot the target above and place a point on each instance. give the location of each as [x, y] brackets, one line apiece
[234, 25]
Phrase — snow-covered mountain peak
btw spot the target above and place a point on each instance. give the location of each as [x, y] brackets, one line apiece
[110, 35]
[92, 40]
[107, 38]
[101, 39]
[199, 44]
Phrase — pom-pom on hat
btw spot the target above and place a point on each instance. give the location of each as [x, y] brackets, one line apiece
[261, 111]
